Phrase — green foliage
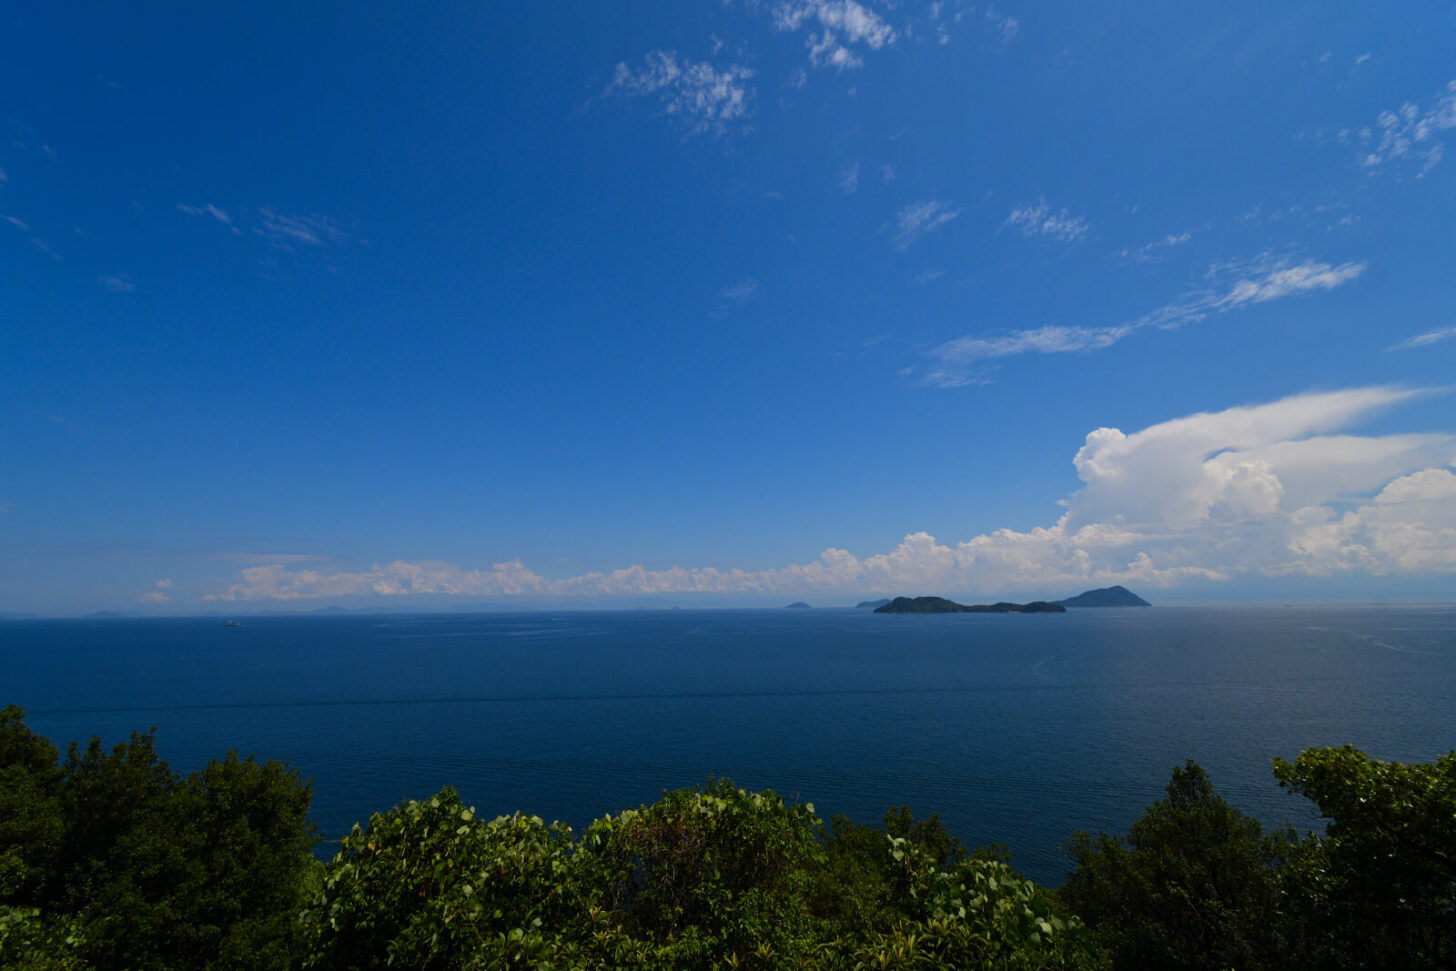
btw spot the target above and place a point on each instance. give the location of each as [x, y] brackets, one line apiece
[28, 942]
[30, 820]
[717, 877]
[718, 873]
[113, 861]
[977, 913]
[1196, 884]
[1382, 889]
[429, 885]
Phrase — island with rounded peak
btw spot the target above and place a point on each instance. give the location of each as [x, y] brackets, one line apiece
[1118, 596]
[796, 605]
[940, 605]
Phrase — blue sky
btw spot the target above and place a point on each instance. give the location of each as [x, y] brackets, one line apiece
[454, 304]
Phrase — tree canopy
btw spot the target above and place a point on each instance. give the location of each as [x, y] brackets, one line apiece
[110, 859]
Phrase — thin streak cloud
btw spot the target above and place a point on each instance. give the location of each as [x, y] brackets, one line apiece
[1265, 281]
[1432, 336]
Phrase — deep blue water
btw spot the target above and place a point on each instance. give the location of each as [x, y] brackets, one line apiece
[1015, 729]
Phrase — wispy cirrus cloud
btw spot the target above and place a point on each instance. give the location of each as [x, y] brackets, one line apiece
[280, 229]
[117, 282]
[741, 292]
[920, 218]
[1041, 220]
[211, 211]
[1275, 489]
[701, 98]
[46, 248]
[848, 180]
[312, 229]
[1411, 132]
[836, 27]
[1235, 286]
[1006, 26]
[1153, 252]
[1432, 336]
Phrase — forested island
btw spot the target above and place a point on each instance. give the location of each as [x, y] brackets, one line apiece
[1115, 596]
[110, 859]
[872, 603]
[940, 605]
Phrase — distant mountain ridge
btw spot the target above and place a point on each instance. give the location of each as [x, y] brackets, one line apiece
[872, 603]
[940, 605]
[1117, 596]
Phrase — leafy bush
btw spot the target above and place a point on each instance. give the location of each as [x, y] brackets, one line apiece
[429, 885]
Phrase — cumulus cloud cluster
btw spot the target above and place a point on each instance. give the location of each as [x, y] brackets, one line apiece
[1041, 220]
[835, 26]
[1411, 132]
[1281, 488]
[704, 99]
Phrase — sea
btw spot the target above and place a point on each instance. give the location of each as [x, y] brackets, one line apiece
[1016, 730]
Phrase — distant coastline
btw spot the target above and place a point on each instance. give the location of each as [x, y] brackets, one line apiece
[940, 605]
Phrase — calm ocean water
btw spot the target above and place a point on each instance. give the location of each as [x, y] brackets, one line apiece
[1015, 729]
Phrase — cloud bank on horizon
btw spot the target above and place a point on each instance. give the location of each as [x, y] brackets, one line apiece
[1274, 489]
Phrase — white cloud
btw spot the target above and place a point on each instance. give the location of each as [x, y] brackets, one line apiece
[1006, 27]
[23, 227]
[1411, 132]
[159, 595]
[1243, 285]
[275, 582]
[1272, 489]
[740, 292]
[282, 229]
[1040, 220]
[840, 23]
[848, 181]
[1152, 252]
[211, 211]
[1431, 336]
[117, 283]
[917, 219]
[697, 95]
[929, 275]
[887, 173]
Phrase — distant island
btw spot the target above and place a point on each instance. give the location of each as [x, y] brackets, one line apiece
[1118, 596]
[796, 605]
[872, 603]
[940, 605]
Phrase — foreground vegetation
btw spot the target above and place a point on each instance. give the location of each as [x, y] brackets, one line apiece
[109, 859]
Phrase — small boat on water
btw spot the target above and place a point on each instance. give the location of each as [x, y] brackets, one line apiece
[233, 623]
